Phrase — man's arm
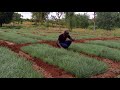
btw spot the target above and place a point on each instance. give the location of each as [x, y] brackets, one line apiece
[71, 38]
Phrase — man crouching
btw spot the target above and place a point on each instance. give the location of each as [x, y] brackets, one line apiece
[62, 42]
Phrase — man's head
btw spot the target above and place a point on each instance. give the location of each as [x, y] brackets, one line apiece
[66, 32]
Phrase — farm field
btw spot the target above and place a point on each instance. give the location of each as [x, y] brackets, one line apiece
[74, 63]
[32, 53]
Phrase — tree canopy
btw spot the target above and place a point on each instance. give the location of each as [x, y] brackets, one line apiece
[5, 17]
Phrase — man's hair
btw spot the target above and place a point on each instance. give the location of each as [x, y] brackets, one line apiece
[66, 32]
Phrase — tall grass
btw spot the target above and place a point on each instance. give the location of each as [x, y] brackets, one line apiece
[16, 38]
[98, 50]
[72, 62]
[112, 44]
[13, 66]
[52, 37]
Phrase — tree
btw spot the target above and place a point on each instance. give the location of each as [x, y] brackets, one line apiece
[57, 18]
[80, 21]
[117, 19]
[84, 21]
[17, 17]
[94, 20]
[53, 21]
[106, 20]
[40, 16]
[69, 19]
[59, 15]
[5, 17]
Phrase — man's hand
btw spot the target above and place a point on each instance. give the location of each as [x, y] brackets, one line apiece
[72, 39]
[61, 47]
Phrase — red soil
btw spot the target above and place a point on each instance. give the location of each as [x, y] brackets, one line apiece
[18, 33]
[5, 31]
[43, 35]
[52, 43]
[14, 47]
[34, 32]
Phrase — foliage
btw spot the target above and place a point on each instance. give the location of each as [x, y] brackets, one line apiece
[69, 16]
[5, 17]
[81, 21]
[17, 17]
[40, 16]
[106, 20]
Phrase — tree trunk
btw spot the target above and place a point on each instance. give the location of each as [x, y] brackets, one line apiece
[94, 21]
[0, 24]
[94, 25]
[59, 24]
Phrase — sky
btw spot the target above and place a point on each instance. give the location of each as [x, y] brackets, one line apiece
[27, 15]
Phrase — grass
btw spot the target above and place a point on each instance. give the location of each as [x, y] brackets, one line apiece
[81, 33]
[29, 35]
[85, 37]
[13, 66]
[111, 44]
[72, 62]
[11, 36]
[118, 41]
[97, 50]
[98, 32]
[11, 27]
[51, 37]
